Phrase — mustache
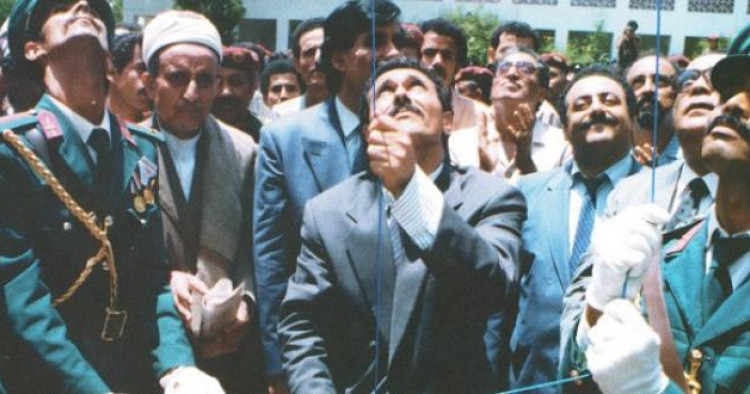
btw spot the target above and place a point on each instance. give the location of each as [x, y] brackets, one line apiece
[733, 122]
[602, 118]
[402, 105]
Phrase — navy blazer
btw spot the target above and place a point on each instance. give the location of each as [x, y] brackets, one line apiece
[299, 157]
[545, 275]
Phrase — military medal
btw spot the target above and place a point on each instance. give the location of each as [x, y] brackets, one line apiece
[148, 196]
[139, 204]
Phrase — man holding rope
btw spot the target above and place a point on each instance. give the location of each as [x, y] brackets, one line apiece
[85, 303]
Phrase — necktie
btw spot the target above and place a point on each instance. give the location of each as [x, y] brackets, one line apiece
[99, 141]
[717, 284]
[689, 208]
[585, 221]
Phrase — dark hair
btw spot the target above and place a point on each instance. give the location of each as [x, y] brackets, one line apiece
[602, 70]
[444, 27]
[542, 70]
[408, 35]
[518, 29]
[122, 50]
[444, 93]
[633, 24]
[278, 66]
[304, 27]
[344, 24]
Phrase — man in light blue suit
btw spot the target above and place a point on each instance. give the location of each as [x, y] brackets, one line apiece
[308, 152]
[597, 110]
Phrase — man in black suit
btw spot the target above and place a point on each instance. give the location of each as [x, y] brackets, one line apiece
[397, 263]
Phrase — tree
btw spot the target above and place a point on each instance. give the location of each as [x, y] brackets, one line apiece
[478, 26]
[224, 14]
[117, 10]
[589, 47]
[5, 7]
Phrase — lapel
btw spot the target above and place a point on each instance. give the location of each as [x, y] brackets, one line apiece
[221, 218]
[732, 313]
[130, 153]
[684, 272]
[72, 149]
[167, 201]
[325, 150]
[555, 217]
[410, 277]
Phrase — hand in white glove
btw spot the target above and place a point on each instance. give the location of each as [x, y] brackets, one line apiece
[623, 356]
[622, 249]
[189, 380]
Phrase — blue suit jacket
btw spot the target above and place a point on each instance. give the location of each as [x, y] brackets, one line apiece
[299, 157]
[535, 341]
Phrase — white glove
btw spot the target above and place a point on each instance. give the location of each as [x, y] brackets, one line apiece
[622, 249]
[189, 380]
[623, 356]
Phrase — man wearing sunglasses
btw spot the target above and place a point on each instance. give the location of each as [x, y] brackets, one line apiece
[642, 76]
[517, 143]
[685, 187]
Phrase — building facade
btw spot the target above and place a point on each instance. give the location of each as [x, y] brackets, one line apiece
[682, 22]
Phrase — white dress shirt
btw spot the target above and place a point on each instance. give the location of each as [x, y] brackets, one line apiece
[83, 127]
[183, 152]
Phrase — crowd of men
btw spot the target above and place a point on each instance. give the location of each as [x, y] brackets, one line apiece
[367, 212]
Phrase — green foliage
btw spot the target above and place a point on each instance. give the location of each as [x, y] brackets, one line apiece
[5, 7]
[589, 47]
[117, 10]
[225, 14]
[478, 26]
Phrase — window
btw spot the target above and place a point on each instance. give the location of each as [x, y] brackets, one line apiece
[719, 6]
[594, 3]
[648, 43]
[667, 5]
[536, 2]
[259, 31]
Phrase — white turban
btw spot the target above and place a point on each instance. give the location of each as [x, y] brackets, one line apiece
[174, 27]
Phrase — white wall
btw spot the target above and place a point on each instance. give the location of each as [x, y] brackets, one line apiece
[561, 18]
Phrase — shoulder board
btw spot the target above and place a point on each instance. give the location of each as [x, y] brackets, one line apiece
[18, 122]
[675, 241]
[145, 132]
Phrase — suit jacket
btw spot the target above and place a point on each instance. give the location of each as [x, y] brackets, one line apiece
[535, 342]
[724, 339]
[439, 304]
[299, 157]
[43, 249]
[225, 175]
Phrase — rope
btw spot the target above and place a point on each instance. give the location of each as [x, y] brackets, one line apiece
[105, 253]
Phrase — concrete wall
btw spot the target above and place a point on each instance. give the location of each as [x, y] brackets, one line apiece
[562, 17]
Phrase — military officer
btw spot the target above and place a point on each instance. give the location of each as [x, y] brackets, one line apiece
[85, 305]
[705, 270]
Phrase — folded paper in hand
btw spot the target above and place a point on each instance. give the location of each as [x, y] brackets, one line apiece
[216, 309]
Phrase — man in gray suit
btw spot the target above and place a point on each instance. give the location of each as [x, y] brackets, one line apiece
[397, 263]
[310, 151]
[205, 193]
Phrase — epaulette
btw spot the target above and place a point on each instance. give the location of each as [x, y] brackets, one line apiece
[676, 240]
[19, 122]
[145, 132]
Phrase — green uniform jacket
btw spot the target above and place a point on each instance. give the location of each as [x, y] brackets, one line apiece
[43, 249]
[724, 339]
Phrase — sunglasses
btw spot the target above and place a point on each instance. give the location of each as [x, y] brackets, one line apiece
[523, 67]
[688, 77]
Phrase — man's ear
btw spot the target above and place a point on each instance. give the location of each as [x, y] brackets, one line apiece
[338, 61]
[447, 122]
[109, 68]
[490, 55]
[33, 51]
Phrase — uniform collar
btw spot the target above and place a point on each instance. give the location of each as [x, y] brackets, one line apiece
[81, 125]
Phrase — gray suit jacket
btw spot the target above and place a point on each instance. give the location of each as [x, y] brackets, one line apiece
[226, 176]
[439, 304]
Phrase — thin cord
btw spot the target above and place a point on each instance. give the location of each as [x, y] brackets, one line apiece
[547, 384]
[654, 129]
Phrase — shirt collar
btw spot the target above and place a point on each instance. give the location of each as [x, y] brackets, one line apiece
[348, 119]
[614, 173]
[435, 174]
[80, 124]
[715, 229]
[711, 179]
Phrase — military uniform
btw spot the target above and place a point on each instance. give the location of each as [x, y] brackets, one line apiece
[722, 343]
[44, 247]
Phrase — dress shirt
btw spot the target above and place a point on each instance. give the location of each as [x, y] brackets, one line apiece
[183, 153]
[739, 270]
[671, 152]
[419, 208]
[549, 149]
[711, 180]
[578, 194]
[349, 124]
[83, 127]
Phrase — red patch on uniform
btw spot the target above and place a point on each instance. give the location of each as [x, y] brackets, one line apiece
[683, 242]
[126, 133]
[49, 125]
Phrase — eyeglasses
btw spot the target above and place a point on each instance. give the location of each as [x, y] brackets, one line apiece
[446, 55]
[523, 67]
[688, 77]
